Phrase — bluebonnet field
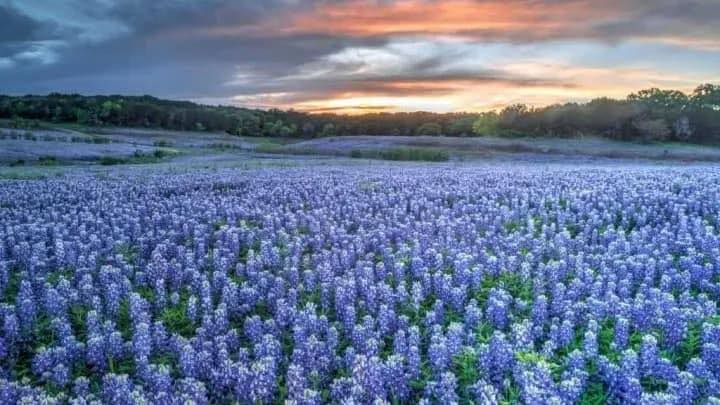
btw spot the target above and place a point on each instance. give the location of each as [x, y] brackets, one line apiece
[363, 285]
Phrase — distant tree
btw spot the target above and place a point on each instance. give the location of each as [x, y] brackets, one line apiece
[288, 130]
[682, 130]
[249, 125]
[109, 111]
[512, 113]
[308, 129]
[652, 129]
[57, 114]
[276, 128]
[689, 118]
[661, 101]
[462, 126]
[704, 114]
[328, 130]
[707, 96]
[486, 124]
[429, 129]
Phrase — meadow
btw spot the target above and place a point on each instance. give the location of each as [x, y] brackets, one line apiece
[60, 145]
[355, 283]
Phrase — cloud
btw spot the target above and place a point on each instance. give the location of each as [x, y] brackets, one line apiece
[687, 23]
[360, 54]
[25, 40]
[17, 27]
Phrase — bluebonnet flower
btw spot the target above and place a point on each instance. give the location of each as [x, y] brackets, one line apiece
[443, 390]
[498, 308]
[361, 294]
[263, 383]
[485, 393]
[497, 358]
[192, 391]
[117, 389]
[537, 385]
[439, 353]
[395, 378]
[367, 377]
[142, 342]
[622, 334]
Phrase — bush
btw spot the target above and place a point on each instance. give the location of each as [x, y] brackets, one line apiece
[403, 154]
[112, 160]
[159, 153]
[652, 130]
[47, 160]
[430, 129]
[163, 143]
[486, 125]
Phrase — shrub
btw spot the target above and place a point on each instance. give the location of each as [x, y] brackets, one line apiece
[652, 130]
[112, 160]
[487, 124]
[163, 143]
[159, 153]
[429, 128]
[403, 154]
[47, 160]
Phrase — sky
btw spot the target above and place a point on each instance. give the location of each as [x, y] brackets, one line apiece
[353, 56]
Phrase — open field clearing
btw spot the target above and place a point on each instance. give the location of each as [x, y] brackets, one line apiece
[481, 147]
[334, 281]
[15, 150]
[126, 146]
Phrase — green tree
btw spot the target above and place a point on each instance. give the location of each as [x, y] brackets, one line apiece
[109, 111]
[660, 101]
[308, 129]
[328, 130]
[707, 96]
[275, 129]
[512, 115]
[652, 130]
[486, 124]
[462, 126]
[429, 129]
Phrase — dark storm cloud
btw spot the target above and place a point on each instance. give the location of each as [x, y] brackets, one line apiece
[689, 21]
[154, 56]
[23, 39]
[16, 26]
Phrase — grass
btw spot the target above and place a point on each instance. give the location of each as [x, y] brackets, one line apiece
[138, 158]
[163, 143]
[175, 319]
[23, 174]
[12, 286]
[112, 160]
[464, 366]
[402, 154]
[48, 160]
[394, 154]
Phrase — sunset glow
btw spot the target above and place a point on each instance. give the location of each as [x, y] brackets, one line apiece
[370, 55]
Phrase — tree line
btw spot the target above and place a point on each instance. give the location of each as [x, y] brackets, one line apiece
[647, 116]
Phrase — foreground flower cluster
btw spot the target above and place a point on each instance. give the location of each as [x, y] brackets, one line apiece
[353, 285]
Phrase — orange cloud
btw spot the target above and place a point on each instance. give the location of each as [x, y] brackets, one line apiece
[491, 20]
[453, 94]
[452, 17]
